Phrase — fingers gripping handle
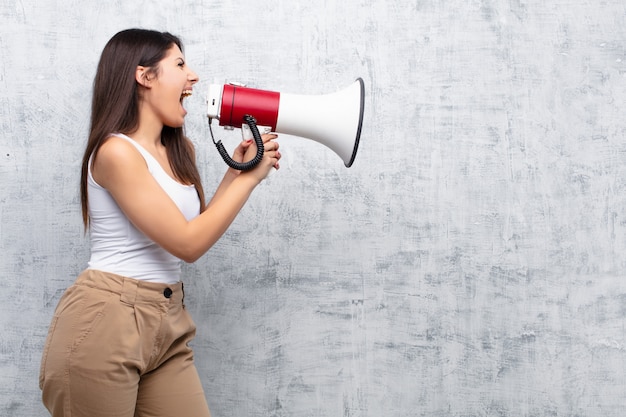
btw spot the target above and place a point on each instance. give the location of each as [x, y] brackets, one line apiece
[243, 166]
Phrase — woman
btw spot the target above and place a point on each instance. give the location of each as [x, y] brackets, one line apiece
[118, 342]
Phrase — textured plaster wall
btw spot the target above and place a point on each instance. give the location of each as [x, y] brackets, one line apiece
[471, 262]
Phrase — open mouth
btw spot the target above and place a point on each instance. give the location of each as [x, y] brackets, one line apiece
[186, 93]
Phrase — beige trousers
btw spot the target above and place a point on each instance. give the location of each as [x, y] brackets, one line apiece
[119, 347]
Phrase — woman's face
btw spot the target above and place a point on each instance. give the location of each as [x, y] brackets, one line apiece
[171, 86]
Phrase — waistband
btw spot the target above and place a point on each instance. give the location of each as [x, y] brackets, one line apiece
[132, 290]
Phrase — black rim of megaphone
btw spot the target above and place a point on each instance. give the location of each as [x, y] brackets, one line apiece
[358, 131]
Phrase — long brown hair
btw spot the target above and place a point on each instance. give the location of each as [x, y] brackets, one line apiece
[115, 104]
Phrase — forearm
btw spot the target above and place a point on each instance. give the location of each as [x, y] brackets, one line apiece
[207, 228]
[228, 178]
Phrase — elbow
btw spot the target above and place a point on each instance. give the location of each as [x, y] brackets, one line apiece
[189, 256]
[189, 247]
[187, 253]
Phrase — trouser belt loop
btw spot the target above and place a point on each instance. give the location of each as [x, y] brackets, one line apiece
[129, 291]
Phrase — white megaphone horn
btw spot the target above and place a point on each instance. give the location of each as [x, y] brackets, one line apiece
[334, 120]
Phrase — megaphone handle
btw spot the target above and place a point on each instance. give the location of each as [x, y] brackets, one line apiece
[243, 166]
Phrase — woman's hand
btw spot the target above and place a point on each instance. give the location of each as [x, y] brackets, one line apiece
[247, 151]
[244, 152]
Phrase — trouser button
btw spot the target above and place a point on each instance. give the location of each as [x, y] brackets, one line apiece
[167, 293]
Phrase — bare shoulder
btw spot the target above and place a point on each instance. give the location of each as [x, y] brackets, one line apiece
[117, 157]
[116, 149]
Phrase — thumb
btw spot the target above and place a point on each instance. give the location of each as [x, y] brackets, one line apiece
[243, 146]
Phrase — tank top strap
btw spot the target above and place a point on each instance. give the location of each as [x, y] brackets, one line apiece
[150, 160]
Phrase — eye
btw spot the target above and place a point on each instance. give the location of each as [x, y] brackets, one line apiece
[181, 63]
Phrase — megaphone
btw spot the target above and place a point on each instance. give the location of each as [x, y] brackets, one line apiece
[334, 120]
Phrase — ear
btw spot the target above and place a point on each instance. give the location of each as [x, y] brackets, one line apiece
[143, 77]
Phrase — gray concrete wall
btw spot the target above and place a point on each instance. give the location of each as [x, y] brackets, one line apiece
[470, 263]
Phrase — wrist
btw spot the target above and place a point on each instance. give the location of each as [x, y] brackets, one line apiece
[249, 178]
[231, 174]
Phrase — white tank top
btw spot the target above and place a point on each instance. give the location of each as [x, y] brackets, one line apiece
[117, 246]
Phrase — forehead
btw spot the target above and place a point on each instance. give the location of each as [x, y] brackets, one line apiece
[174, 53]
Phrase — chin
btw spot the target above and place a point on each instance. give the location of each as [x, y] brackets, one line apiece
[175, 125]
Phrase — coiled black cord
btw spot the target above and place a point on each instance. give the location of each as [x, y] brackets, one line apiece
[242, 166]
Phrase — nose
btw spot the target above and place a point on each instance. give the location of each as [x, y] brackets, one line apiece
[193, 77]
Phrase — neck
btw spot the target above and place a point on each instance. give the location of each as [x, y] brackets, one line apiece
[148, 132]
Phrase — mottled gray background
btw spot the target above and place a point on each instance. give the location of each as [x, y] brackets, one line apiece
[470, 263]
